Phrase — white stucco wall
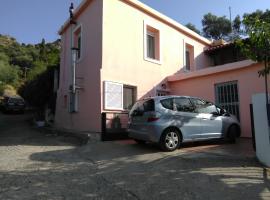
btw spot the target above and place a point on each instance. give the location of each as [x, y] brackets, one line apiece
[261, 129]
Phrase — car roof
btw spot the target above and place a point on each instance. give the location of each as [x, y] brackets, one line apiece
[170, 96]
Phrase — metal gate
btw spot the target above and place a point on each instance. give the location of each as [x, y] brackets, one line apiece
[114, 126]
[227, 97]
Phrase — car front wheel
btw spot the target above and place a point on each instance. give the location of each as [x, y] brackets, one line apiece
[232, 134]
[170, 140]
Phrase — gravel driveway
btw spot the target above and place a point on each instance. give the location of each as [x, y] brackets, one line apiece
[37, 165]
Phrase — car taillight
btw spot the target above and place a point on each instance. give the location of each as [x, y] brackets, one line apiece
[152, 119]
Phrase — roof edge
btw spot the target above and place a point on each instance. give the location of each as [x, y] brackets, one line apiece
[212, 70]
[167, 20]
[148, 10]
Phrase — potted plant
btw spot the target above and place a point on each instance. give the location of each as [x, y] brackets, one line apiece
[40, 118]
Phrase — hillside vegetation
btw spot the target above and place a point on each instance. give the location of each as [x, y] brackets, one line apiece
[28, 69]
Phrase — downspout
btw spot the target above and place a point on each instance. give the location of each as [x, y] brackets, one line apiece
[73, 59]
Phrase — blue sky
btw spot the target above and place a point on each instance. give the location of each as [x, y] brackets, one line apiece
[31, 20]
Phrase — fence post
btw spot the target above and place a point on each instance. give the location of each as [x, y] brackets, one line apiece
[252, 127]
[103, 126]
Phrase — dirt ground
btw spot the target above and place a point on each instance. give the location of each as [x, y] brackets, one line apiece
[37, 165]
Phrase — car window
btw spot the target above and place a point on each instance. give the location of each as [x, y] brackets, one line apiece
[183, 105]
[167, 103]
[204, 106]
[142, 106]
[15, 100]
[149, 105]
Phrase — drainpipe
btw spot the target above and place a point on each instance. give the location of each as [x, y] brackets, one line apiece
[73, 59]
[73, 50]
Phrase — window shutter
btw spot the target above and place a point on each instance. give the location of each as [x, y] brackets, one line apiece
[113, 94]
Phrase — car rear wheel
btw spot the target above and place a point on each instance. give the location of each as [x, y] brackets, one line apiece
[170, 140]
[232, 134]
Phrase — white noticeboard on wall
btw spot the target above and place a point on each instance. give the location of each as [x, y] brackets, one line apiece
[113, 93]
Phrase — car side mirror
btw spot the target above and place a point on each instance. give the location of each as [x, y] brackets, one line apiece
[224, 113]
[215, 113]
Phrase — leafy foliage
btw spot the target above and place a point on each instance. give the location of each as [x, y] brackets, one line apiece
[193, 28]
[237, 24]
[215, 27]
[9, 75]
[257, 46]
[28, 68]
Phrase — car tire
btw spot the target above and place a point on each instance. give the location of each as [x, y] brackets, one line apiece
[140, 141]
[170, 140]
[232, 134]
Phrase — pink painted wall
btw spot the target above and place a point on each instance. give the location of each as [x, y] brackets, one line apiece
[204, 87]
[88, 118]
[123, 48]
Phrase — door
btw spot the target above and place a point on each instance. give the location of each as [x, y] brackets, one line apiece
[211, 121]
[187, 120]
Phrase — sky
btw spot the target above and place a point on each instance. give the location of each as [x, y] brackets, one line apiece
[31, 20]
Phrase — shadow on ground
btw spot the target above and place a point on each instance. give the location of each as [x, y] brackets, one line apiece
[130, 171]
[125, 170]
[19, 129]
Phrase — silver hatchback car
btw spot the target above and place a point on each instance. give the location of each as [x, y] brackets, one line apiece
[171, 120]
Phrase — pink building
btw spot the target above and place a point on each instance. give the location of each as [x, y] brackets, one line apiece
[124, 50]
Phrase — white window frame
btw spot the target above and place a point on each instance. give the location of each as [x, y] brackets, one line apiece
[79, 26]
[145, 33]
[184, 54]
[106, 107]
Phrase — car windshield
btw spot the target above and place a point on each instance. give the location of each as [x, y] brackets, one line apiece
[15, 100]
[203, 106]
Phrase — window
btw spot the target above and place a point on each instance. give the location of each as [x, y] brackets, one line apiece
[151, 44]
[189, 57]
[227, 97]
[129, 97]
[167, 103]
[204, 106]
[183, 105]
[143, 106]
[113, 96]
[162, 93]
[79, 46]
[118, 96]
[149, 105]
[77, 41]
[187, 60]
